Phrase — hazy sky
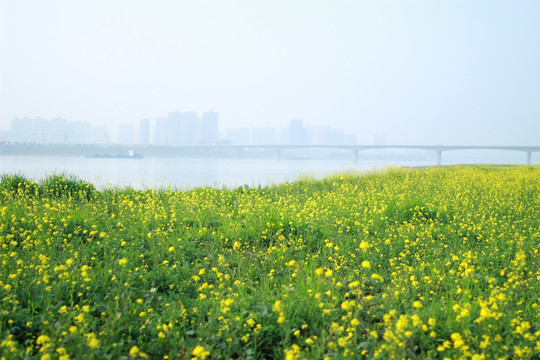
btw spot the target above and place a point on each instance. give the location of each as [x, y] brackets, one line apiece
[429, 72]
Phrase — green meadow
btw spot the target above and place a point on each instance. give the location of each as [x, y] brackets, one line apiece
[435, 263]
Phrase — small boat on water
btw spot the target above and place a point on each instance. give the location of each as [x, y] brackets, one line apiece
[132, 154]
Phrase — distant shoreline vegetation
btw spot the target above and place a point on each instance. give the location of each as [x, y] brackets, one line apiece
[160, 151]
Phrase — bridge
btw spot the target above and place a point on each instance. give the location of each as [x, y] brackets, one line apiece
[355, 149]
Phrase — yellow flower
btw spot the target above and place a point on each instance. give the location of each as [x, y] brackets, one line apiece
[366, 264]
[122, 262]
[485, 342]
[63, 355]
[200, 353]
[347, 304]
[478, 357]
[291, 263]
[43, 339]
[342, 341]
[225, 305]
[278, 306]
[136, 352]
[457, 339]
[328, 273]
[91, 341]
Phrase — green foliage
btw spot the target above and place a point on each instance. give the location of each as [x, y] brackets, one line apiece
[17, 185]
[57, 185]
[66, 185]
[433, 263]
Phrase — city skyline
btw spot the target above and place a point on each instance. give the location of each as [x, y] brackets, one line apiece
[437, 71]
[177, 129]
[134, 127]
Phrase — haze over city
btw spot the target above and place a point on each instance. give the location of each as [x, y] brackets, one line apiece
[419, 72]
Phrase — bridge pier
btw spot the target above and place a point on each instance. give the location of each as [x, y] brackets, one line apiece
[355, 156]
[439, 155]
[529, 156]
[278, 154]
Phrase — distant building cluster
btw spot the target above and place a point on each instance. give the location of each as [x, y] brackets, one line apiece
[187, 128]
[294, 134]
[177, 129]
[55, 131]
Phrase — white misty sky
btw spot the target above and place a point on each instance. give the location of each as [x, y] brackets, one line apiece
[431, 71]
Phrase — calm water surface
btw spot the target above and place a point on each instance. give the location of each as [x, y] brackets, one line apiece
[183, 173]
[188, 173]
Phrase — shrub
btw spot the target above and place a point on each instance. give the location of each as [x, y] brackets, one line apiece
[68, 186]
[17, 184]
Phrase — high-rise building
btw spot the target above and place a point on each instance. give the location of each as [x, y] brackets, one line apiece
[297, 133]
[56, 131]
[59, 126]
[316, 134]
[161, 131]
[143, 137]
[184, 128]
[21, 130]
[24, 124]
[283, 136]
[209, 128]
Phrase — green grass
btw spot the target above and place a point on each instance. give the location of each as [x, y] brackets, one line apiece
[404, 263]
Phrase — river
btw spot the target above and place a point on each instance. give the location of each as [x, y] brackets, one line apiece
[185, 173]
[182, 173]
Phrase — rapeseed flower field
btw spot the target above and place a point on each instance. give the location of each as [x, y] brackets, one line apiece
[439, 263]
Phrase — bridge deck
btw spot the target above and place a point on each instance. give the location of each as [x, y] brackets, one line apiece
[356, 148]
